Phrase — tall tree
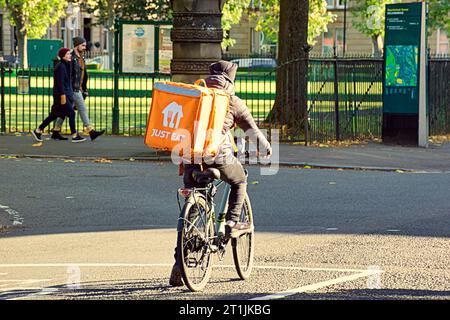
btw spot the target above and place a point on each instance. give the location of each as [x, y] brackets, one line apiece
[106, 11]
[370, 20]
[232, 15]
[32, 19]
[318, 19]
[438, 16]
[290, 106]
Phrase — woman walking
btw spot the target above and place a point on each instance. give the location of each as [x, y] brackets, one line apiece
[62, 97]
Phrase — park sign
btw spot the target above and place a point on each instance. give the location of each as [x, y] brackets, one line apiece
[405, 118]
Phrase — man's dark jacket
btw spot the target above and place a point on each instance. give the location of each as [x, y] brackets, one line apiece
[77, 72]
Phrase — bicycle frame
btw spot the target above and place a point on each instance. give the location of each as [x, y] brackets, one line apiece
[208, 193]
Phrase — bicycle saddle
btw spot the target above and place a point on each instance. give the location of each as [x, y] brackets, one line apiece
[205, 176]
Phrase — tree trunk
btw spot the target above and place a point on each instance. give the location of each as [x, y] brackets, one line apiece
[377, 42]
[22, 43]
[111, 33]
[290, 109]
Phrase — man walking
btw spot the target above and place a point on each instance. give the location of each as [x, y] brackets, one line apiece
[79, 85]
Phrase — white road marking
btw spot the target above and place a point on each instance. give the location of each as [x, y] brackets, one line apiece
[143, 265]
[359, 273]
[317, 286]
[15, 216]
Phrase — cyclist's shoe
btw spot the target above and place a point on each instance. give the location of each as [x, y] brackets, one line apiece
[57, 136]
[235, 229]
[175, 277]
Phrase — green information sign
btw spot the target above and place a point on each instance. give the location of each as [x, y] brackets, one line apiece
[404, 89]
[402, 54]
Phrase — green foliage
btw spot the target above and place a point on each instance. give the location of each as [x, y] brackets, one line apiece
[269, 18]
[232, 14]
[370, 16]
[126, 9]
[438, 17]
[33, 18]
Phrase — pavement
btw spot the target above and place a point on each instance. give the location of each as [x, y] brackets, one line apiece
[365, 156]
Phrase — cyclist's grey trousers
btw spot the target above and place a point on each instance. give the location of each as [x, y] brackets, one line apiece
[232, 173]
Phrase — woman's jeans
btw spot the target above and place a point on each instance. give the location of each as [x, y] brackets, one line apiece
[81, 106]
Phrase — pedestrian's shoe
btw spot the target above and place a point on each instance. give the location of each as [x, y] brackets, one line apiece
[175, 276]
[57, 136]
[95, 134]
[78, 138]
[37, 135]
[235, 229]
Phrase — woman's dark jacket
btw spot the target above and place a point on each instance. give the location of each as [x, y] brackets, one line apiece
[62, 82]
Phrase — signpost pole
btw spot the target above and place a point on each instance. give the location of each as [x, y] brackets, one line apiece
[115, 112]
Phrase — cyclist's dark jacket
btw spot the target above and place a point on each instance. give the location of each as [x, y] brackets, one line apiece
[77, 72]
[222, 77]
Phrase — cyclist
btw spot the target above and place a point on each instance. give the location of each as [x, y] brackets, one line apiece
[222, 75]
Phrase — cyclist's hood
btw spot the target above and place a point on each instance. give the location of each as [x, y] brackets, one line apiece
[222, 76]
[224, 68]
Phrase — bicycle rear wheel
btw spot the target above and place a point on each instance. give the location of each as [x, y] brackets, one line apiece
[244, 246]
[193, 252]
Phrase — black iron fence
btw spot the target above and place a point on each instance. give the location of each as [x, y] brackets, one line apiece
[344, 99]
[439, 95]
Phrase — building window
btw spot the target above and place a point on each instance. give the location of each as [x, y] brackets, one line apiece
[335, 4]
[105, 39]
[333, 38]
[442, 42]
[63, 32]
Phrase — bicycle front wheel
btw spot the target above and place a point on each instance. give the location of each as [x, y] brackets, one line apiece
[244, 246]
[194, 237]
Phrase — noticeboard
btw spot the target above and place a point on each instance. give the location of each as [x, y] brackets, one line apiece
[145, 46]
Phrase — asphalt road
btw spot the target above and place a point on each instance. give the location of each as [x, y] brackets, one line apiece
[86, 230]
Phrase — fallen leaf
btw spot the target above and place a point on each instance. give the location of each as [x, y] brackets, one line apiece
[39, 144]
[307, 167]
[399, 171]
[132, 159]
[254, 182]
[332, 182]
[102, 161]
[69, 161]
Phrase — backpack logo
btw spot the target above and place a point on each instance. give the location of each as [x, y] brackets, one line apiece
[171, 112]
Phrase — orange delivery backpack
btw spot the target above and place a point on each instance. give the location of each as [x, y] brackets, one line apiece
[189, 115]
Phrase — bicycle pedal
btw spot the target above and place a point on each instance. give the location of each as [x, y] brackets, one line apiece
[192, 263]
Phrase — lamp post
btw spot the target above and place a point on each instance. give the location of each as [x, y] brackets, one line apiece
[345, 28]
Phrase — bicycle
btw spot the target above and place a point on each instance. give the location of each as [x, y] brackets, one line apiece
[201, 233]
